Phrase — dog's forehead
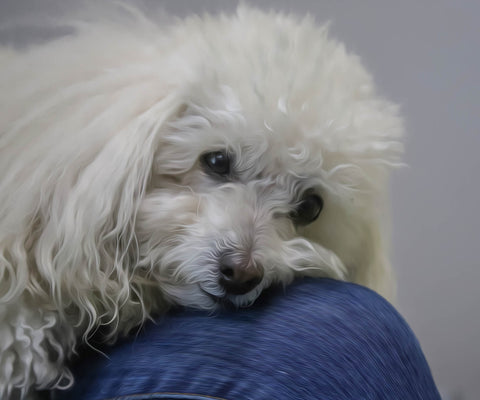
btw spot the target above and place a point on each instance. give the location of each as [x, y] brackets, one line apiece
[283, 135]
[270, 139]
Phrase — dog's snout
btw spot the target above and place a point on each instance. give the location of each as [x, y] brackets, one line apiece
[236, 277]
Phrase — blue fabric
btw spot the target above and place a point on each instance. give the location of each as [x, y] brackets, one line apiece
[316, 339]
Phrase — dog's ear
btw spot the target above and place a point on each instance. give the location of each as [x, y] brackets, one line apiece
[374, 269]
[93, 250]
[360, 238]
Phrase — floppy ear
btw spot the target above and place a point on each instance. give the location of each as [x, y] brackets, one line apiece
[88, 249]
[355, 225]
[381, 151]
[374, 269]
[359, 238]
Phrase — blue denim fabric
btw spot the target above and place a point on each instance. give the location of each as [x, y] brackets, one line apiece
[316, 339]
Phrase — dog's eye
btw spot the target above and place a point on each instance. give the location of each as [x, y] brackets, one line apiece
[217, 162]
[308, 209]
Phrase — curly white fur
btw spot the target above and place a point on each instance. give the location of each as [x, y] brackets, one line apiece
[106, 214]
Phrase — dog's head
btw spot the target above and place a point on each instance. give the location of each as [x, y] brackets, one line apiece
[268, 171]
[270, 163]
[228, 155]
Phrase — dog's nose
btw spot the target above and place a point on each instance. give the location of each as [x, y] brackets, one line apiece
[238, 278]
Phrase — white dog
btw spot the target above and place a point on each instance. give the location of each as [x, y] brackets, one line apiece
[196, 164]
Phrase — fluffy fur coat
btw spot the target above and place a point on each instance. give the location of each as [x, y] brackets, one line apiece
[108, 212]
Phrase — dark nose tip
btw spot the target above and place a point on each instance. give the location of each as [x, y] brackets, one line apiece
[238, 278]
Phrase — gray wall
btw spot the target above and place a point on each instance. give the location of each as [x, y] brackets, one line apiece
[425, 55]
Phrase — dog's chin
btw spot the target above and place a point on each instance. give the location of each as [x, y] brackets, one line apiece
[222, 299]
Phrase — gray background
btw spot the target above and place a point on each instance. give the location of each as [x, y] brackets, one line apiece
[425, 56]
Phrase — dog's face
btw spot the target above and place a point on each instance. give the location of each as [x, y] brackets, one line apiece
[244, 194]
